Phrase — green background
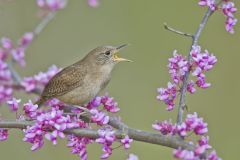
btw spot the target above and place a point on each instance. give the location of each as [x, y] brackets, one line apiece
[79, 28]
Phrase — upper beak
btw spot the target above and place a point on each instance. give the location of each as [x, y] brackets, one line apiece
[115, 56]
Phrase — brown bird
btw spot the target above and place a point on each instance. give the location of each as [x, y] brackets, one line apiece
[78, 83]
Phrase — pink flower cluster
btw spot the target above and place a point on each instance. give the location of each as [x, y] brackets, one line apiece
[78, 145]
[13, 104]
[93, 3]
[192, 124]
[3, 134]
[39, 80]
[178, 67]
[50, 124]
[17, 54]
[191, 155]
[228, 9]
[107, 137]
[98, 116]
[210, 3]
[52, 5]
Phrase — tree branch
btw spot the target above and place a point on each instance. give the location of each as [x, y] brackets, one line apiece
[182, 101]
[138, 135]
[177, 31]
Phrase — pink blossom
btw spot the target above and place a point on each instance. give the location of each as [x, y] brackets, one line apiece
[6, 43]
[132, 157]
[19, 55]
[228, 9]
[31, 110]
[165, 127]
[93, 3]
[78, 145]
[39, 80]
[99, 117]
[190, 87]
[126, 142]
[50, 124]
[202, 146]
[13, 104]
[3, 54]
[52, 5]
[168, 95]
[184, 154]
[210, 3]
[3, 134]
[5, 74]
[29, 83]
[213, 156]
[5, 93]
[26, 39]
[106, 138]
[109, 104]
[230, 23]
[178, 66]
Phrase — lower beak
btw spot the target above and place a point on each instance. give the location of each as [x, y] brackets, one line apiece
[119, 59]
[115, 56]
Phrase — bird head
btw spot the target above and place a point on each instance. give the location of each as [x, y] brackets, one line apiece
[107, 55]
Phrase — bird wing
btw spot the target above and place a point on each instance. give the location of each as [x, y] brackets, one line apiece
[66, 80]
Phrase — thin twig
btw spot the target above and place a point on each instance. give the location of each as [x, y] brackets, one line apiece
[182, 101]
[49, 17]
[177, 31]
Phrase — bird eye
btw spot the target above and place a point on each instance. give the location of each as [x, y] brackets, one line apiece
[107, 53]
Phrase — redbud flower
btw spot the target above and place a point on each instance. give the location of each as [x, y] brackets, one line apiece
[26, 39]
[52, 5]
[190, 87]
[93, 3]
[5, 93]
[168, 95]
[230, 23]
[126, 141]
[3, 54]
[13, 104]
[109, 104]
[29, 83]
[202, 146]
[3, 134]
[184, 154]
[5, 74]
[213, 156]
[132, 157]
[19, 55]
[210, 3]
[31, 110]
[79, 145]
[106, 138]
[178, 66]
[228, 9]
[99, 117]
[6, 43]
[165, 127]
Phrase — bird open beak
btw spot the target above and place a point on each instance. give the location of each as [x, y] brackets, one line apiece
[115, 56]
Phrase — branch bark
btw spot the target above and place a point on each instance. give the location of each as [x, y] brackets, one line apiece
[136, 134]
[182, 101]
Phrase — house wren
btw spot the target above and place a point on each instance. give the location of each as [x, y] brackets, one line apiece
[78, 83]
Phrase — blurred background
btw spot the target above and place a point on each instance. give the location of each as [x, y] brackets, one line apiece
[79, 28]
